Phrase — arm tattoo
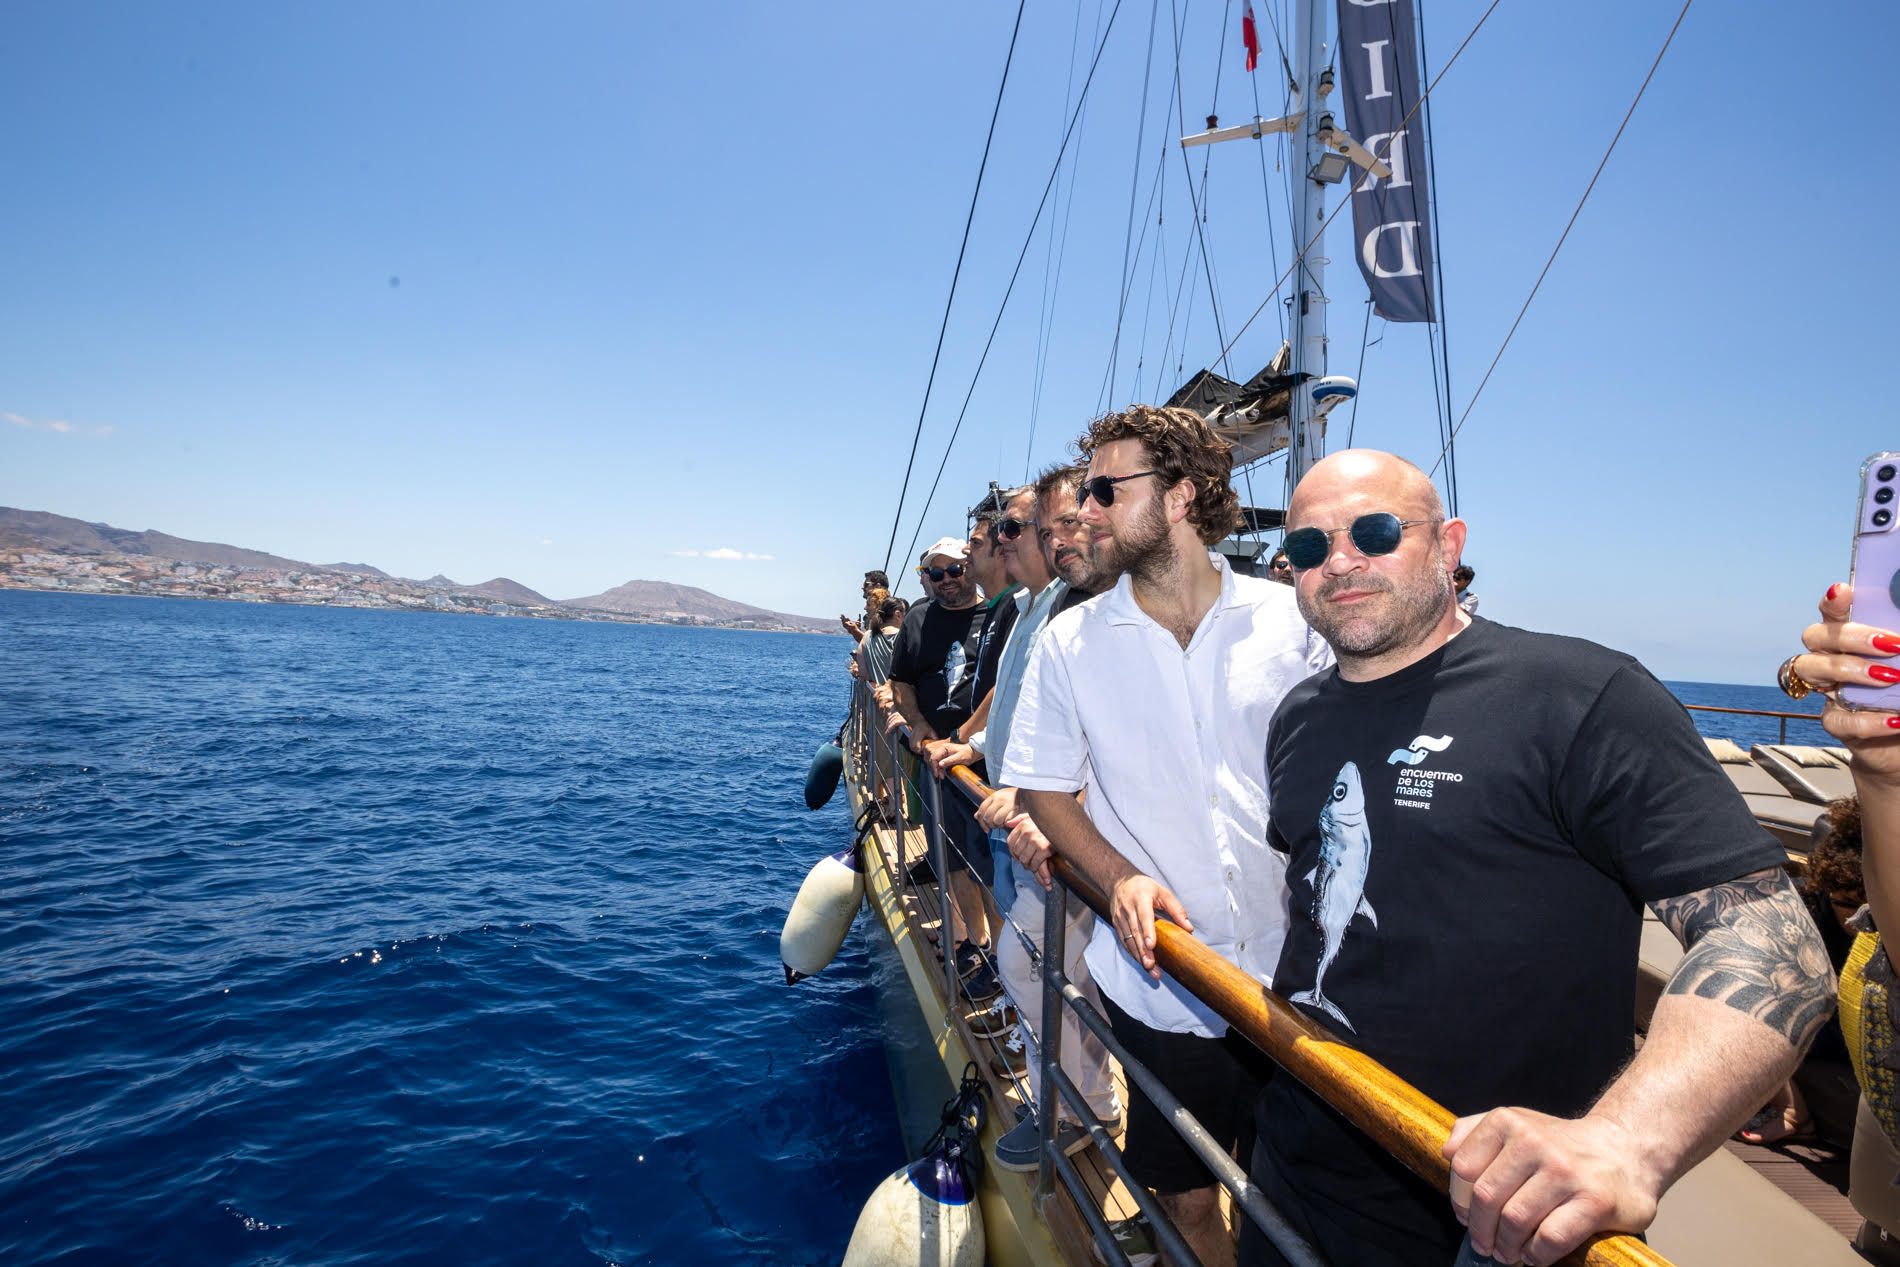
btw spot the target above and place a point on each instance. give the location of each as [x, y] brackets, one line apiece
[1752, 945]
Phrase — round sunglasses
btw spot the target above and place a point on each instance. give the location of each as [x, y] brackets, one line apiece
[1372, 535]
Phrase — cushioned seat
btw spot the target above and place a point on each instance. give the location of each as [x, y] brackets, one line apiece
[1790, 820]
[1811, 774]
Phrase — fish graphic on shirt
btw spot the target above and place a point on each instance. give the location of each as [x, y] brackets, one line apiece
[955, 664]
[1339, 880]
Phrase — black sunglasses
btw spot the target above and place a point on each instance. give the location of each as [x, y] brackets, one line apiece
[1281, 565]
[937, 574]
[1010, 529]
[1372, 535]
[1102, 488]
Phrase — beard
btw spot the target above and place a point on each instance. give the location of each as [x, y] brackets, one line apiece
[1141, 547]
[1403, 612]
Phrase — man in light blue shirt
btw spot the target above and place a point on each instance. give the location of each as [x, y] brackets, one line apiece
[1040, 528]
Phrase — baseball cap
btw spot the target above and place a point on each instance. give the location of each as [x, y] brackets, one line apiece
[949, 547]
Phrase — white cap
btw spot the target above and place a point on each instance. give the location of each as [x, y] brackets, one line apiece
[949, 547]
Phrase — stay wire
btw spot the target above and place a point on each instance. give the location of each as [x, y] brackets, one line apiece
[950, 299]
[1601, 164]
[1016, 272]
[1319, 234]
[1438, 262]
[1134, 181]
[1200, 228]
[1058, 248]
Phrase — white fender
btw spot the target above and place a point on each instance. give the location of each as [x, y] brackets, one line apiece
[925, 1215]
[821, 915]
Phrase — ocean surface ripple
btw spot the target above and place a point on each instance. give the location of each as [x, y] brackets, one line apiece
[350, 937]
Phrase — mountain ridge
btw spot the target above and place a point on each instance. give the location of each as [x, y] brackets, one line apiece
[43, 532]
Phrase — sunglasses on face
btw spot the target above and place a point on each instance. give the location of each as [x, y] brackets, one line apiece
[1281, 565]
[954, 571]
[1102, 488]
[1010, 529]
[1372, 535]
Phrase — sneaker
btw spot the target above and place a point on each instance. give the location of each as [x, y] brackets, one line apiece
[1012, 1061]
[1135, 1239]
[996, 1019]
[1020, 1148]
[970, 958]
[982, 987]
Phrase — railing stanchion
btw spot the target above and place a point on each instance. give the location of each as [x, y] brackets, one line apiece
[1055, 912]
[940, 860]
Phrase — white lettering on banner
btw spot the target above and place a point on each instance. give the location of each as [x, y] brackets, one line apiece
[1408, 249]
[1375, 70]
[1377, 143]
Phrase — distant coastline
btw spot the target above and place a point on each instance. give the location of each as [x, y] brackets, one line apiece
[54, 553]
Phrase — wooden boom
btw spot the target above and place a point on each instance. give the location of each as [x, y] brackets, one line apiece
[1398, 1116]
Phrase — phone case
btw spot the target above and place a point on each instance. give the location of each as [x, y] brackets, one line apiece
[1876, 572]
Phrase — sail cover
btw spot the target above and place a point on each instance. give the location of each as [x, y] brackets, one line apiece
[1378, 42]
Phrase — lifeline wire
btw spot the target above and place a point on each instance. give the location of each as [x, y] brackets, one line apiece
[950, 299]
[1566, 233]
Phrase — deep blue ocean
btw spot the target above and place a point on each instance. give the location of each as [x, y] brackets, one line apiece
[352, 937]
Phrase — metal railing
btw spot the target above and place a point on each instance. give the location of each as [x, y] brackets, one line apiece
[1784, 718]
[1401, 1119]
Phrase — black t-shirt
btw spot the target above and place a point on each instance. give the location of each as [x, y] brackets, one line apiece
[998, 620]
[1470, 844]
[936, 655]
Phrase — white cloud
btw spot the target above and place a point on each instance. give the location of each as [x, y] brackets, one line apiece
[547, 541]
[726, 553]
[61, 426]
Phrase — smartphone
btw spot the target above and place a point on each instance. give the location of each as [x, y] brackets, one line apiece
[1876, 573]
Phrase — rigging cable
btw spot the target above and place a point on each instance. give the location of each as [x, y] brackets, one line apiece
[1059, 248]
[1028, 240]
[1320, 233]
[1627, 114]
[1200, 229]
[1359, 374]
[1134, 181]
[1438, 261]
[957, 272]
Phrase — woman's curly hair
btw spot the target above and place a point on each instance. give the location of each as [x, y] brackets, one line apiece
[1180, 446]
[1834, 869]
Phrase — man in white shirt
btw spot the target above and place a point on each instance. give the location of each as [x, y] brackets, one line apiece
[1154, 698]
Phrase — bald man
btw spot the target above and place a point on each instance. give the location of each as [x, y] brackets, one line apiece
[1473, 818]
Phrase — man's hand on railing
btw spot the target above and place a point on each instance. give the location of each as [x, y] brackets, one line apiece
[1540, 1186]
[885, 696]
[944, 753]
[1132, 904]
[852, 662]
[1029, 847]
[997, 809]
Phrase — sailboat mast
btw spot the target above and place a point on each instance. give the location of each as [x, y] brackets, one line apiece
[1307, 332]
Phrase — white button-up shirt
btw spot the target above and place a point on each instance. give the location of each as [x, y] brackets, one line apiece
[1171, 747]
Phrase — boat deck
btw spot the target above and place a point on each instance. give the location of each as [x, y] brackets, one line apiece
[924, 917]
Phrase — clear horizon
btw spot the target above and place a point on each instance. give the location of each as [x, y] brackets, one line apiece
[600, 293]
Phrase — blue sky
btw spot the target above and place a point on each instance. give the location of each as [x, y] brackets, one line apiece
[590, 292]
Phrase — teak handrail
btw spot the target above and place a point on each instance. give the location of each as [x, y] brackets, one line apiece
[1397, 1116]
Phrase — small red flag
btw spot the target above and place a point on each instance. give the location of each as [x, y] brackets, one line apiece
[1250, 36]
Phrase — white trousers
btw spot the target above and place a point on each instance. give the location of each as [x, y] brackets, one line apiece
[1084, 1058]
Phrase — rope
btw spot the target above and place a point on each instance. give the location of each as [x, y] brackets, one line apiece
[1667, 40]
[950, 299]
[1016, 272]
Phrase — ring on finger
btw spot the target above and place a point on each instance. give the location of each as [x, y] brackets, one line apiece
[1792, 684]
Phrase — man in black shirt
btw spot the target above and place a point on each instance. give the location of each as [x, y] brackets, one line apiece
[1474, 817]
[933, 674]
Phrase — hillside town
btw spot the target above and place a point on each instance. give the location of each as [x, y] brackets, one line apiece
[42, 568]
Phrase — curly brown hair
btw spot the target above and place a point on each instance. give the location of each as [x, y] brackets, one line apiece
[1834, 870]
[1180, 446]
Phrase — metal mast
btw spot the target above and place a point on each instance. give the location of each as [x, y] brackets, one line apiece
[1306, 333]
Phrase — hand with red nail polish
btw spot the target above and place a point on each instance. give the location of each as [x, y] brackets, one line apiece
[1842, 652]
